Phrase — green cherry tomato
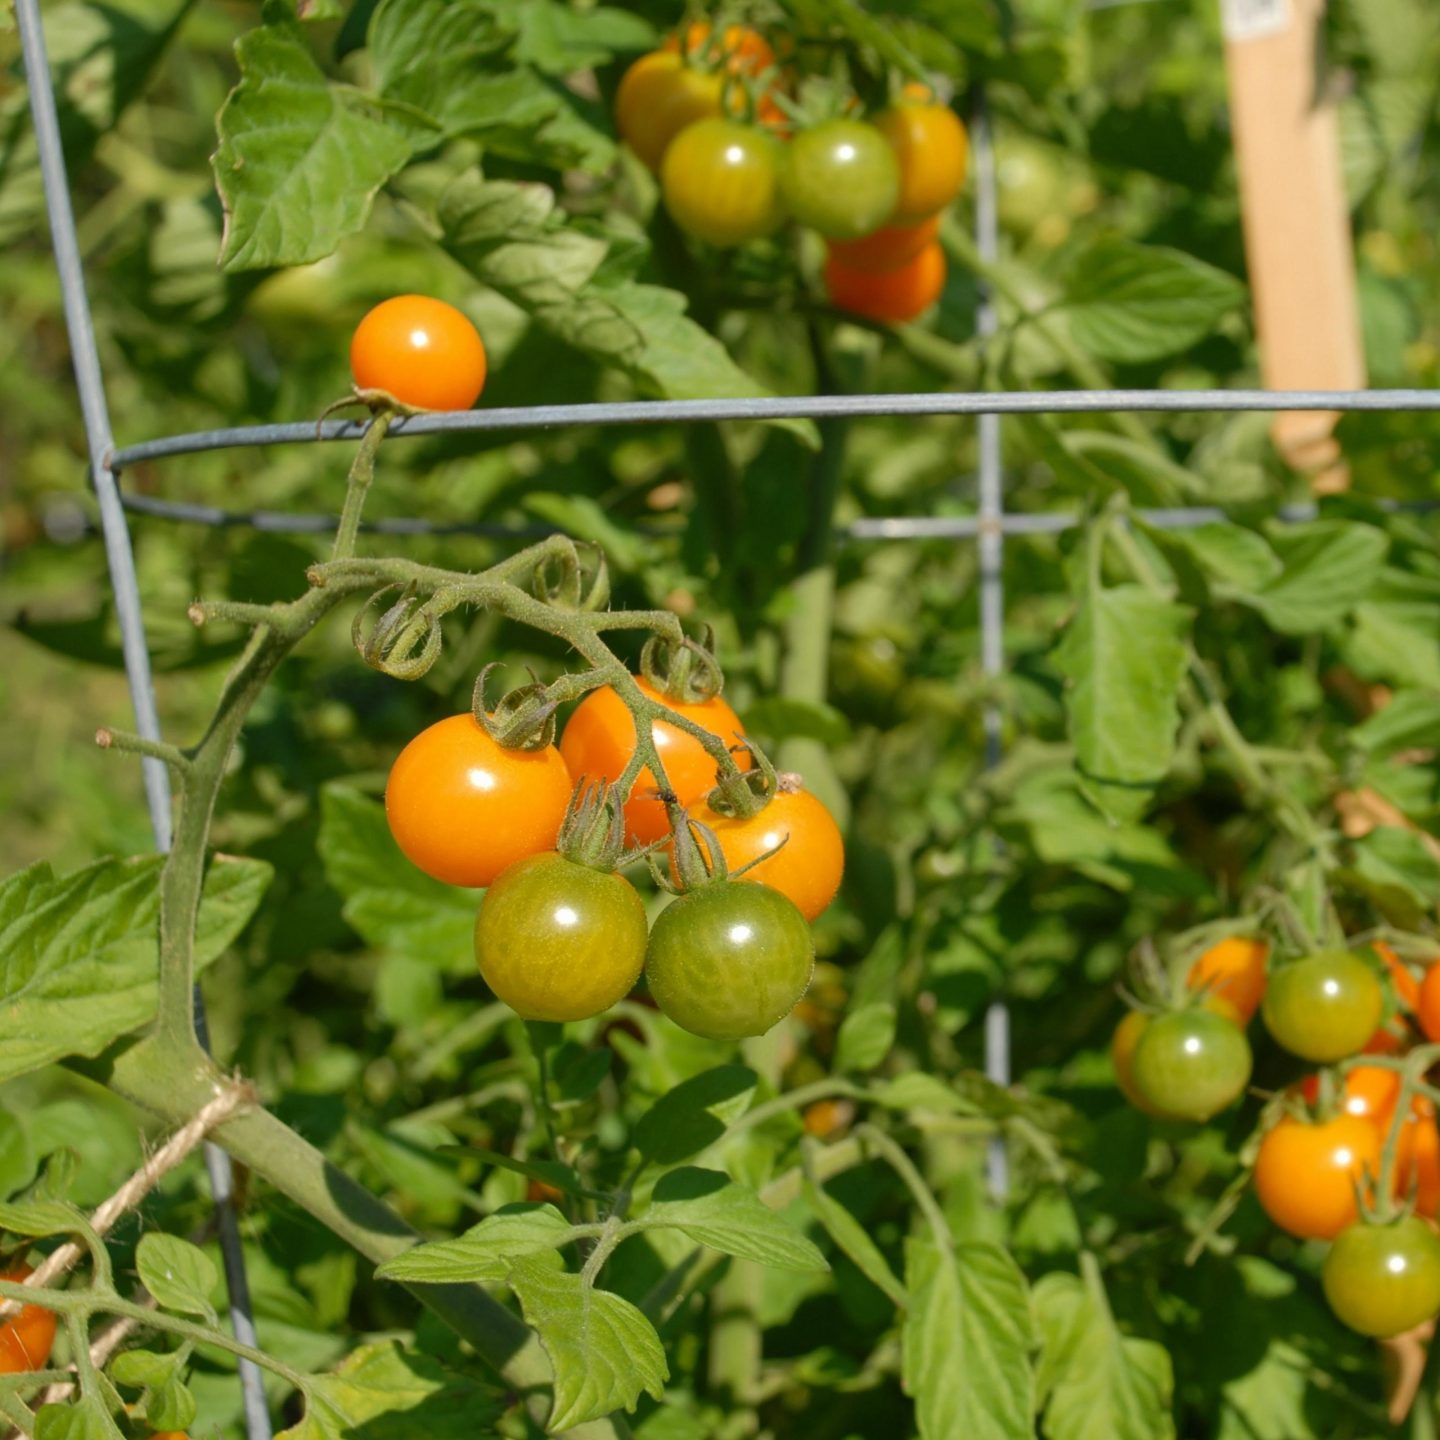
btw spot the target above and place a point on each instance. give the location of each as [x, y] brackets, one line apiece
[1324, 1007]
[729, 959]
[560, 941]
[1382, 1280]
[721, 182]
[841, 178]
[1190, 1064]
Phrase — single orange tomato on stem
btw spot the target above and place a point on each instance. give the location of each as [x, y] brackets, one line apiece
[1306, 1173]
[1233, 970]
[425, 353]
[893, 297]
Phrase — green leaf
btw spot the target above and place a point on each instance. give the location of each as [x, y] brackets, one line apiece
[1329, 567]
[1398, 872]
[713, 1210]
[510, 237]
[79, 955]
[390, 902]
[1145, 472]
[484, 1252]
[40, 1218]
[385, 1392]
[1395, 641]
[1220, 560]
[298, 163]
[86, 1419]
[779, 718]
[1131, 303]
[578, 1073]
[560, 40]
[178, 1275]
[1124, 655]
[966, 1343]
[854, 1240]
[915, 1090]
[849, 18]
[1409, 721]
[694, 1115]
[448, 60]
[1095, 1383]
[603, 1349]
[167, 1401]
[868, 1030]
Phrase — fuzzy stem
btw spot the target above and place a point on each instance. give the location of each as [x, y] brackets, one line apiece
[362, 472]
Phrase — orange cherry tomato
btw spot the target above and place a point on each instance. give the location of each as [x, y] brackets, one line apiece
[600, 739]
[886, 249]
[1427, 1007]
[1305, 1173]
[931, 145]
[1407, 987]
[808, 867]
[745, 51]
[1233, 970]
[1368, 1093]
[893, 297]
[26, 1339]
[463, 808]
[422, 351]
[1417, 1166]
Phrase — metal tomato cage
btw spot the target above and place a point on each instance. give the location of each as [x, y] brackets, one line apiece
[988, 527]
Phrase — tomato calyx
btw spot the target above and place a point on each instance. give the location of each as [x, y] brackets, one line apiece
[686, 670]
[404, 642]
[575, 579]
[593, 831]
[524, 718]
[696, 856]
[747, 792]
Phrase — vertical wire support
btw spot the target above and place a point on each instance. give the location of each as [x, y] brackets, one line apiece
[85, 358]
[990, 545]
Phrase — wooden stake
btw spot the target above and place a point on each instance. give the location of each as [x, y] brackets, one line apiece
[1297, 224]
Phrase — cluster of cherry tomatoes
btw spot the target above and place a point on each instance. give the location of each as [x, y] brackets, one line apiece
[560, 935]
[709, 112]
[1349, 1155]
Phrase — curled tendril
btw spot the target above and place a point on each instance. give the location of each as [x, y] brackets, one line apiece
[576, 579]
[404, 641]
[523, 719]
[686, 671]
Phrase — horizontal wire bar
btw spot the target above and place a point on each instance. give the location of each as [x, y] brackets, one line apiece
[791, 407]
[880, 527]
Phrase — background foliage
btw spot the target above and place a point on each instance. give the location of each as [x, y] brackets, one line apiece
[413, 130]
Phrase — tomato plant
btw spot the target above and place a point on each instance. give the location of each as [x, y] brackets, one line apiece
[422, 351]
[1323, 1007]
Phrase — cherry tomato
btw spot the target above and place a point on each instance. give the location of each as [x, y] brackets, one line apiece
[887, 249]
[1382, 1280]
[720, 182]
[931, 146]
[1325, 1007]
[1368, 1093]
[1191, 1064]
[25, 1340]
[600, 739]
[1122, 1057]
[841, 178]
[891, 298]
[726, 961]
[1417, 1170]
[1305, 1173]
[556, 940]
[745, 51]
[422, 351]
[463, 808]
[808, 867]
[659, 96]
[1233, 970]
[1427, 1007]
[1407, 987]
